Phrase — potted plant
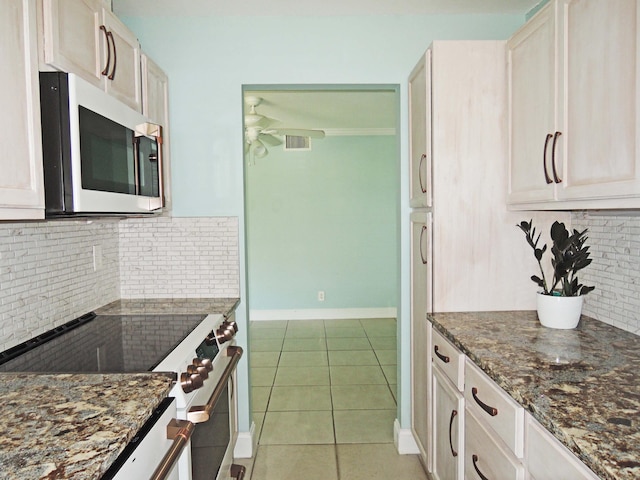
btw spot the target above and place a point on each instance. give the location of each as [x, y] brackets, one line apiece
[559, 304]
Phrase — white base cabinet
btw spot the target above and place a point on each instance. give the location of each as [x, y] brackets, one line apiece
[484, 434]
[448, 429]
[21, 184]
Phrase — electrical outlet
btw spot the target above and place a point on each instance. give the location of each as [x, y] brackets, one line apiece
[97, 258]
[321, 295]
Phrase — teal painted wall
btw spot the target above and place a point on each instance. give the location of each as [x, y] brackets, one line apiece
[208, 59]
[324, 219]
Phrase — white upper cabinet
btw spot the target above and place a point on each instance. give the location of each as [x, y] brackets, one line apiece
[155, 106]
[575, 137]
[532, 102]
[82, 37]
[420, 133]
[21, 186]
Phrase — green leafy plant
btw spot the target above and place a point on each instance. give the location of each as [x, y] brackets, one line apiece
[569, 255]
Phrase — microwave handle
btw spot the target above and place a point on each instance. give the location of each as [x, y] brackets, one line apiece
[136, 163]
[154, 130]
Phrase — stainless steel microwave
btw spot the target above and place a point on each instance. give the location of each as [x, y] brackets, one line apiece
[99, 155]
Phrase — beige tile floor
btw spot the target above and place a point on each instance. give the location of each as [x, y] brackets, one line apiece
[324, 401]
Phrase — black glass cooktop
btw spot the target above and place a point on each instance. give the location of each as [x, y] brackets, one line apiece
[103, 343]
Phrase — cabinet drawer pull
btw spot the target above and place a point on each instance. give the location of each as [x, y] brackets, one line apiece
[422, 160]
[490, 410]
[444, 358]
[547, 178]
[422, 257]
[105, 70]
[474, 457]
[453, 415]
[115, 58]
[553, 158]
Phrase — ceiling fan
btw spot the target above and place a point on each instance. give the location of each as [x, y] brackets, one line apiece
[258, 133]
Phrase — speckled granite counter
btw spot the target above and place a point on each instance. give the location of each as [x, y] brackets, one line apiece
[583, 385]
[72, 426]
[170, 306]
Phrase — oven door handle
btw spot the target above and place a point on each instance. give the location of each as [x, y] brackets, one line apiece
[180, 432]
[202, 413]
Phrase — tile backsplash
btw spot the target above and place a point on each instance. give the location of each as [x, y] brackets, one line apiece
[614, 242]
[47, 274]
[167, 257]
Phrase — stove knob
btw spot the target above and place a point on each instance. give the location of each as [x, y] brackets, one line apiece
[232, 325]
[190, 382]
[224, 334]
[203, 362]
[198, 370]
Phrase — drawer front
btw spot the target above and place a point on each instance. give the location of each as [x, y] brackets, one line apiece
[548, 459]
[486, 457]
[448, 359]
[495, 407]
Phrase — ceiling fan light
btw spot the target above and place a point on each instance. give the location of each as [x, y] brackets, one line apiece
[258, 149]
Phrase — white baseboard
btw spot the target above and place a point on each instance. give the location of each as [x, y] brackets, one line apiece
[245, 446]
[404, 441]
[323, 314]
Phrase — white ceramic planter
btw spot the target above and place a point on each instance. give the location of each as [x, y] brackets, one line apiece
[559, 312]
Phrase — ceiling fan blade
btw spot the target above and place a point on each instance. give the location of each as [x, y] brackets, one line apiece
[270, 140]
[298, 132]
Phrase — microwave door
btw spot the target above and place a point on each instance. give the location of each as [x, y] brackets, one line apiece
[148, 167]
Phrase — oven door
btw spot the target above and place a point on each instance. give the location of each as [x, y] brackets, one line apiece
[215, 432]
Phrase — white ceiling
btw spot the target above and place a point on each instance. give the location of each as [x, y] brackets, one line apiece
[319, 8]
[335, 111]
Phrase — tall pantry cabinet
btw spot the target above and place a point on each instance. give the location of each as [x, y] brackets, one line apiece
[467, 254]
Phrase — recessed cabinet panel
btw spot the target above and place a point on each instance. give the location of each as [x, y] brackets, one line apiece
[495, 407]
[448, 359]
[531, 57]
[421, 330]
[486, 457]
[601, 41]
[21, 187]
[420, 133]
[548, 459]
[448, 430]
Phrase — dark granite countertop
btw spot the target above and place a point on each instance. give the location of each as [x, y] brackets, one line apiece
[583, 385]
[72, 426]
[170, 306]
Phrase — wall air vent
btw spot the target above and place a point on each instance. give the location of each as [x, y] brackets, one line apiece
[295, 142]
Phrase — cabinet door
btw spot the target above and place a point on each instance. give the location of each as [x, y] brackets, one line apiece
[420, 133]
[532, 58]
[124, 76]
[21, 184]
[601, 141]
[155, 106]
[73, 41]
[448, 430]
[420, 329]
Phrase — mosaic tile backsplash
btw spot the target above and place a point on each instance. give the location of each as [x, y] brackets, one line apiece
[614, 243]
[47, 274]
